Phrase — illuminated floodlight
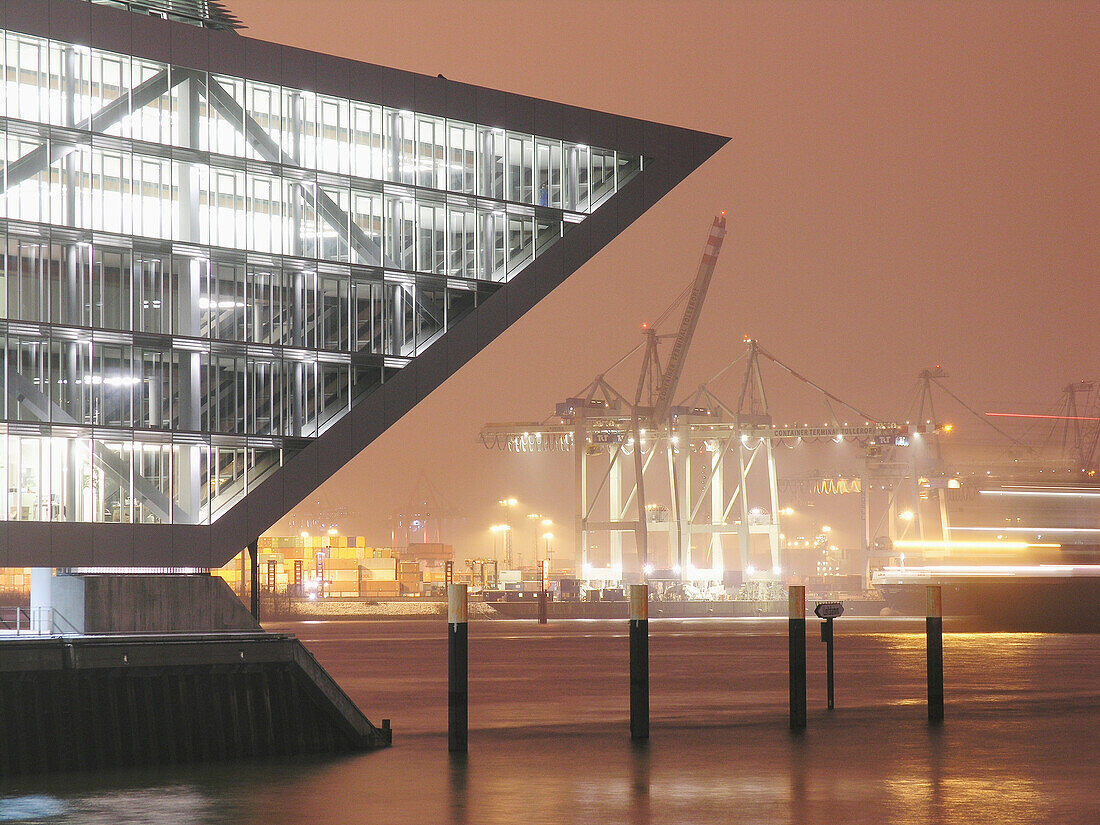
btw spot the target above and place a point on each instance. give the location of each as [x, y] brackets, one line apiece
[906, 515]
[647, 569]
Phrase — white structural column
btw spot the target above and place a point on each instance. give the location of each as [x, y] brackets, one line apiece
[743, 531]
[580, 492]
[679, 451]
[717, 507]
[615, 505]
[773, 489]
[191, 273]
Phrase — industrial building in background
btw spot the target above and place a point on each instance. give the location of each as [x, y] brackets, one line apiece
[230, 265]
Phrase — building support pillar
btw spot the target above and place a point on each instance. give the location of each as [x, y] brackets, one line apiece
[254, 559]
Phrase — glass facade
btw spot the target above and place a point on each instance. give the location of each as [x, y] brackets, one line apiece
[200, 272]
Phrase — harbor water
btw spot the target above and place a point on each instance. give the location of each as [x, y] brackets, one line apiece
[549, 739]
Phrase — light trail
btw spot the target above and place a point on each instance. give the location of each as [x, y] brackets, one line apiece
[996, 570]
[1045, 493]
[1028, 529]
[1037, 415]
[971, 545]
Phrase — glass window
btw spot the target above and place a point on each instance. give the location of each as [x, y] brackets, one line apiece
[431, 235]
[264, 213]
[490, 168]
[222, 302]
[576, 177]
[265, 103]
[462, 240]
[431, 162]
[369, 315]
[268, 301]
[153, 188]
[334, 311]
[603, 176]
[548, 173]
[150, 272]
[520, 168]
[367, 226]
[521, 242]
[153, 390]
[333, 214]
[333, 138]
[110, 191]
[461, 157]
[400, 146]
[400, 219]
[112, 284]
[366, 140]
[268, 406]
[27, 277]
[110, 81]
[226, 206]
[225, 124]
[335, 381]
[152, 122]
[491, 244]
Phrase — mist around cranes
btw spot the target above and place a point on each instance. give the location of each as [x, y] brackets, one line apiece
[906, 185]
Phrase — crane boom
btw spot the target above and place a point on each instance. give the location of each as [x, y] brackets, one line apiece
[671, 375]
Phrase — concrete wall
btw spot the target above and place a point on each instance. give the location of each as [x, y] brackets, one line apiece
[94, 702]
[162, 604]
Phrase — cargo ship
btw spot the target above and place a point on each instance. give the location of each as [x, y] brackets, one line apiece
[1019, 550]
[1049, 598]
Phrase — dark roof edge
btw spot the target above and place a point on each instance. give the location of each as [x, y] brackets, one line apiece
[228, 52]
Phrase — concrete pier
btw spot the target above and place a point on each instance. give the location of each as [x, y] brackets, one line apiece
[94, 702]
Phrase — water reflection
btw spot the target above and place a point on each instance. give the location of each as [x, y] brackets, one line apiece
[458, 788]
[640, 765]
[550, 742]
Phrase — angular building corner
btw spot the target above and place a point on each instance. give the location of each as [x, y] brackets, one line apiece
[230, 265]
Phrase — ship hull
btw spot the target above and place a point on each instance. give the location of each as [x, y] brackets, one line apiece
[657, 610]
[1016, 603]
[688, 609]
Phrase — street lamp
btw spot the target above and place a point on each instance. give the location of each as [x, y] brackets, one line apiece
[501, 528]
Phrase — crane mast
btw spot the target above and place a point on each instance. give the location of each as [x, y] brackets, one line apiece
[670, 377]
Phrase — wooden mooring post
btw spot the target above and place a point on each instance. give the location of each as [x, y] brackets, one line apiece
[457, 669]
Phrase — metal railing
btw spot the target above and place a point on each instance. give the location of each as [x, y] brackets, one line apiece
[35, 621]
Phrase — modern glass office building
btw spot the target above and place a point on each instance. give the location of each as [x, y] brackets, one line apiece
[217, 249]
